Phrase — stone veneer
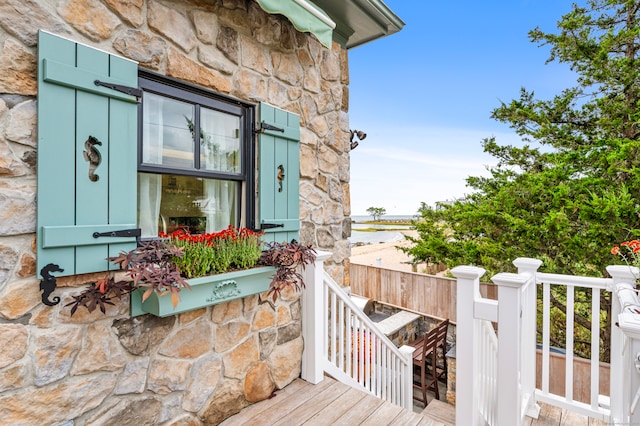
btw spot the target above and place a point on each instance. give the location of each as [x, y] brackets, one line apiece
[198, 367]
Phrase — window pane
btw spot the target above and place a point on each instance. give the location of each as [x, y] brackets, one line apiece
[167, 138]
[220, 141]
[170, 202]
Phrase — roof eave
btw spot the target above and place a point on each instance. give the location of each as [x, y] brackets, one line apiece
[360, 21]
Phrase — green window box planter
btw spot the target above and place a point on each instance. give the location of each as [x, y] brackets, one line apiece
[205, 291]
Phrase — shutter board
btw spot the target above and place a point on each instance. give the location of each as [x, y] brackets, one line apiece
[70, 109]
[92, 198]
[75, 78]
[279, 148]
[66, 236]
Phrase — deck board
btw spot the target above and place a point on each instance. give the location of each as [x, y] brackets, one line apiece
[334, 403]
[441, 411]
[406, 418]
[325, 398]
[360, 412]
[384, 414]
[330, 414]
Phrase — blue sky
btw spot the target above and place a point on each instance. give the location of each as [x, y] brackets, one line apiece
[424, 96]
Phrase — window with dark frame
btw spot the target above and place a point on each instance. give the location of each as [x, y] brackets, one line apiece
[195, 159]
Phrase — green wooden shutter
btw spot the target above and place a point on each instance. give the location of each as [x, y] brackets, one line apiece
[71, 107]
[278, 202]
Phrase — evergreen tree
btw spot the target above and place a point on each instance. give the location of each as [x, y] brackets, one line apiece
[571, 190]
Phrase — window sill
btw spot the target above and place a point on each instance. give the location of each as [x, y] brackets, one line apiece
[205, 291]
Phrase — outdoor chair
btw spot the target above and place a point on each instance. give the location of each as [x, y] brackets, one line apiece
[426, 364]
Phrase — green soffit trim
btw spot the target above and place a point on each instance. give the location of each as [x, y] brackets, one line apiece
[305, 16]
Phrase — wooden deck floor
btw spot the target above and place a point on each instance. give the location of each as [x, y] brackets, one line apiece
[333, 403]
[327, 403]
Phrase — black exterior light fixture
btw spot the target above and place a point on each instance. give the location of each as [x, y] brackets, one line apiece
[360, 134]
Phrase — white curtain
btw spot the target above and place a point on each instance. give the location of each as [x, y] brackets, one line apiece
[221, 131]
[150, 185]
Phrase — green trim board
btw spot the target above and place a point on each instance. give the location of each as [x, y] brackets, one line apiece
[305, 16]
[205, 291]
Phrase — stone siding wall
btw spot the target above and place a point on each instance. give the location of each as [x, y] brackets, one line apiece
[198, 367]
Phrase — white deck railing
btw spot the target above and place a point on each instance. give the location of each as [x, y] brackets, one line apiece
[487, 372]
[343, 342]
[515, 315]
[598, 405]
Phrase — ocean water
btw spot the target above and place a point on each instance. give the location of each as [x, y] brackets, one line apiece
[374, 237]
[365, 218]
[381, 236]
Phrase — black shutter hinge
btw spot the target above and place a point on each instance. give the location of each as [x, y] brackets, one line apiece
[136, 232]
[133, 91]
[264, 226]
[264, 126]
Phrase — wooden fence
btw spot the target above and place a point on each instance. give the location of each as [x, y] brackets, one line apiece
[436, 297]
[426, 294]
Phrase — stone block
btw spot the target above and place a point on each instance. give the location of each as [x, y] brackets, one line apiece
[149, 50]
[205, 377]
[171, 24]
[289, 332]
[8, 260]
[285, 362]
[21, 127]
[227, 400]
[55, 351]
[17, 69]
[284, 315]
[100, 351]
[139, 335]
[287, 68]
[206, 25]
[191, 341]
[14, 377]
[133, 377]
[189, 316]
[228, 41]
[265, 316]
[183, 68]
[27, 266]
[230, 334]
[90, 17]
[168, 375]
[73, 397]
[227, 311]
[130, 11]
[14, 343]
[249, 85]
[138, 412]
[267, 340]
[23, 18]
[241, 359]
[258, 384]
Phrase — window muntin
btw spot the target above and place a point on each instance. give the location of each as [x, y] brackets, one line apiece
[201, 187]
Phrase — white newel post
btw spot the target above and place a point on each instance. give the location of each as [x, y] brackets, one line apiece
[529, 307]
[314, 318]
[407, 392]
[468, 290]
[510, 292]
[620, 382]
